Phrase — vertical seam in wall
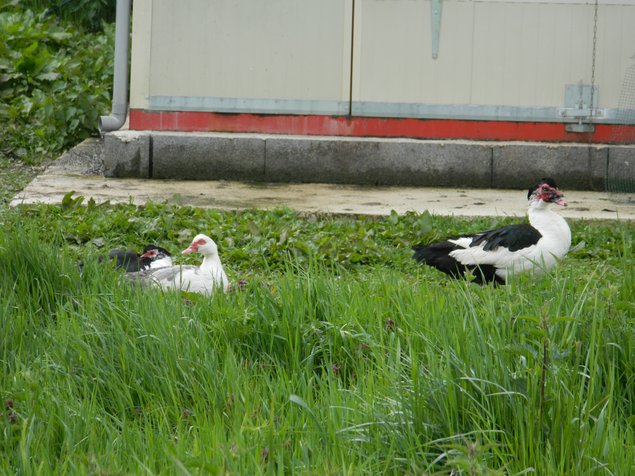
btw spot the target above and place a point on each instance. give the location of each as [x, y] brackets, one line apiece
[264, 159]
[588, 180]
[350, 79]
[491, 167]
[150, 157]
[606, 169]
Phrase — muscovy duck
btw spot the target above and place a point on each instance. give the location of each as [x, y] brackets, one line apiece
[493, 255]
[152, 257]
[155, 257]
[203, 279]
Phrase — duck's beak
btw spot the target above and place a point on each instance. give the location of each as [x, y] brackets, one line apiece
[559, 199]
[148, 254]
[190, 249]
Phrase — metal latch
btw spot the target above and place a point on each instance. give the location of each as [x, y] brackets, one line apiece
[578, 107]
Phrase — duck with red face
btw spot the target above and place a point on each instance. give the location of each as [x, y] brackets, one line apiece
[494, 255]
[204, 279]
[153, 256]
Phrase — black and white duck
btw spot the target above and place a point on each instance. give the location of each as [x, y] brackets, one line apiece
[494, 255]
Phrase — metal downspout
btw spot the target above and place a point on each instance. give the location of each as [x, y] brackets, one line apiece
[119, 112]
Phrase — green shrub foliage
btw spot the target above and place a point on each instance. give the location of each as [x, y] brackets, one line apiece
[55, 81]
[89, 15]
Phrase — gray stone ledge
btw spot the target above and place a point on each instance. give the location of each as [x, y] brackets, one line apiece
[352, 160]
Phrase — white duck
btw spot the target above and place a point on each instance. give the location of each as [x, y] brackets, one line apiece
[493, 255]
[203, 279]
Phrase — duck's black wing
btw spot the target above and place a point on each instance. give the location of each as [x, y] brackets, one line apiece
[512, 237]
[128, 260]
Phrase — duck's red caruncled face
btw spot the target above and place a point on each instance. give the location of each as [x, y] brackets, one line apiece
[193, 248]
[149, 254]
[548, 194]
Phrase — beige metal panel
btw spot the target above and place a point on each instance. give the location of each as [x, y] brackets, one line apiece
[524, 54]
[616, 54]
[274, 49]
[560, 2]
[511, 53]
[518, 53]
[393, 52]
[140, 54]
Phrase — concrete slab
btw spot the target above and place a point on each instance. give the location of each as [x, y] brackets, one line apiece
[127, 154]
[81, 170]
[323, 198]
[576, 166]
[193, 156]
[621, 169]
[377, 162]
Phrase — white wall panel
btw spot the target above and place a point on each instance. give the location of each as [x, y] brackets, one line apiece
[525, 54]
[140, 54]
[269, 50]
[616, 51]
[393, 52]
[493, 54]
[498, 59]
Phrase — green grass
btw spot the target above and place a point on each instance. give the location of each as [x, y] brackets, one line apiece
[14, 176]
[340, 356]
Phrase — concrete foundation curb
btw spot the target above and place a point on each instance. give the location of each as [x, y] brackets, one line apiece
[361, 161]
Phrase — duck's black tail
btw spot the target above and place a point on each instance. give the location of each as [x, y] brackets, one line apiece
[438, 256]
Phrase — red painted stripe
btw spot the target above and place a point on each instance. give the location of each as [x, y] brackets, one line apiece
[376, 127]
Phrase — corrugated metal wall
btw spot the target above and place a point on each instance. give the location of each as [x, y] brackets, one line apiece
[496, 59]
